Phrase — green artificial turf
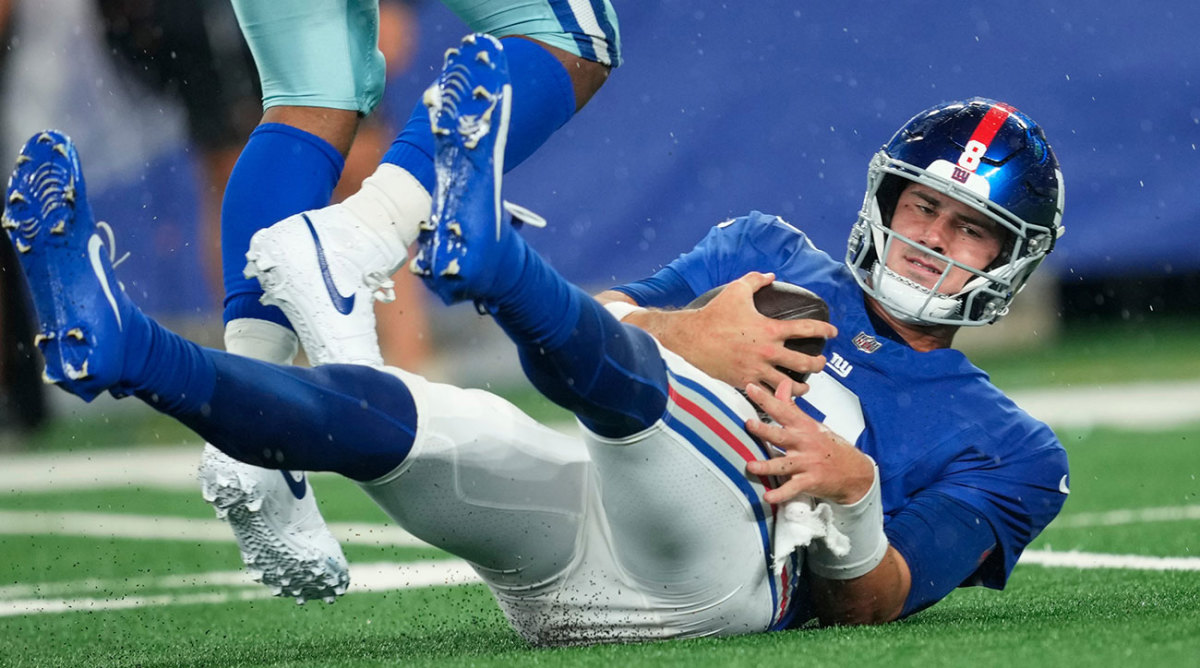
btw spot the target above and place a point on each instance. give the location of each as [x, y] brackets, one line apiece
[1048, 616]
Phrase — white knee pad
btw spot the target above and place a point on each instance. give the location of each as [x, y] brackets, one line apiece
[487, 483]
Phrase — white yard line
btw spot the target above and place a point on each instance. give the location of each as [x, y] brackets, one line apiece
[149, 527]
[1134, 405]
[1090, 560]
[380, 576]
[239, 578]
[1129, 516]
[171, 467]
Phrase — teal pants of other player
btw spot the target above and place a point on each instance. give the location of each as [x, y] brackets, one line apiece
[324, 53]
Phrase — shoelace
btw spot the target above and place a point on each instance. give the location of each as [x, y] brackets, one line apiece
[382, 287]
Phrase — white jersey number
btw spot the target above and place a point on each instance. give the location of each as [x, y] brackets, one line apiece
[842, 409]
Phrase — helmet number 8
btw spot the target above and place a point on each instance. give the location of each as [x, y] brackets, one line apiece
[971, 156]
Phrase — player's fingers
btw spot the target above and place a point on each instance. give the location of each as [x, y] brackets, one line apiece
[806, 328]
[767, 432]
[755, 280]
[781, 466]
[784, 412]
[790, 489]
[783, 390]
[736, 302]
[766, 400]
[798, 362]
[772, 379]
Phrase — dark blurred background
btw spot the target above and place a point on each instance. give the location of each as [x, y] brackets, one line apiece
[720, 108]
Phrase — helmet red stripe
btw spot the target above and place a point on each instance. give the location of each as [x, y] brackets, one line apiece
[992, 121]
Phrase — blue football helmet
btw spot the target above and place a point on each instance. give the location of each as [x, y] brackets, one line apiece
[987, 155]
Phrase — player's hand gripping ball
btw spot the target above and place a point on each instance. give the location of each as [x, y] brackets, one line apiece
[784, 301]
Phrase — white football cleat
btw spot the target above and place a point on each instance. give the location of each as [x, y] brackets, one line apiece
[285, 542]
[324, 270]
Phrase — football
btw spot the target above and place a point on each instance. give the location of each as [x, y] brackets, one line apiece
[784, 301]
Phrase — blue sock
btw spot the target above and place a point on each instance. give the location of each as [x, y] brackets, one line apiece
[543, 101]
[349, 419]
[281, 172]
[575, 352]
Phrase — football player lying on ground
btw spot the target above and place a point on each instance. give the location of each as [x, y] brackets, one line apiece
[560, 54]
[649, 527]
[962, 205]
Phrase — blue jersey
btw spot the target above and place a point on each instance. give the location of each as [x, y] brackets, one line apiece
[968, 478]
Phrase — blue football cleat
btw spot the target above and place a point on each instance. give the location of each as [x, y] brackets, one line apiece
[461, 249]
[68, 264]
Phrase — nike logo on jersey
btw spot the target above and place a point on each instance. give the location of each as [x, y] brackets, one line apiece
[343, 304]
[839, 365]
[94, 246]
[296, 484]
[1062, 486]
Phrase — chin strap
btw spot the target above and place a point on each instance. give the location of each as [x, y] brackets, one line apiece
[908, 301]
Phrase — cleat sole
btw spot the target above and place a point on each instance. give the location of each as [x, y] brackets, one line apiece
[68, 266]
[284, 562]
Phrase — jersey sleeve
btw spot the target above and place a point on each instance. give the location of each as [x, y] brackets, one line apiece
[943, 541]
[971, 526]
[1019, 492]
[755, 242]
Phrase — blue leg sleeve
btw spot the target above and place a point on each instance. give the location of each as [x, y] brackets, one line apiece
[346, 418]
[349, 419]
[281, 172]
[543, 100]
[608, 374]
[575, 352]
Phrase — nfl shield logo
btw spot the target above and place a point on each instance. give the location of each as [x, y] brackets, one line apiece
[866, 343]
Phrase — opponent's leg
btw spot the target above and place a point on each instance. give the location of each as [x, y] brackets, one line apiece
[364, 239]
[282, 537]
[321, 69]
[324, 267]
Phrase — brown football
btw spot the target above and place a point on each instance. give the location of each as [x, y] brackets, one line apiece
[784, 301]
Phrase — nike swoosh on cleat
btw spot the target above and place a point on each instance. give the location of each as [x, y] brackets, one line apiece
[344, 305]
[1062, 486]
[94, 246]
[297, 486]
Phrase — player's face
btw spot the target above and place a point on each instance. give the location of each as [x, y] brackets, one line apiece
[944, 225]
